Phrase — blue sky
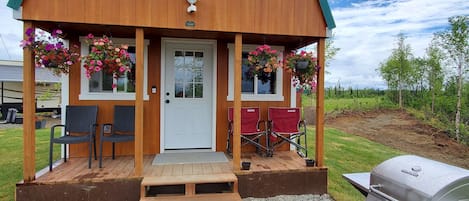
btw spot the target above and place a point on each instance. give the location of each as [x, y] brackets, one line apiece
[365, 33]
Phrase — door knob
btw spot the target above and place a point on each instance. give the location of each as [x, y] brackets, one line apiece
[167, 101]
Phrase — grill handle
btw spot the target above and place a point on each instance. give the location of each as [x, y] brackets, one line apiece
[374, 189]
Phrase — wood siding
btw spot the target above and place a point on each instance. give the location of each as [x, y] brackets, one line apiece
[276, 17]
[151, 112]
[151, 135]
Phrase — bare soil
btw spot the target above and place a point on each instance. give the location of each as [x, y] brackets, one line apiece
[402, 131]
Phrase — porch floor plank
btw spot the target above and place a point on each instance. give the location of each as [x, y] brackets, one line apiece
[76, 169]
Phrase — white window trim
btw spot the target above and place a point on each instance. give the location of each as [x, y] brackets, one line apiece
[254, 97]
[85, 94]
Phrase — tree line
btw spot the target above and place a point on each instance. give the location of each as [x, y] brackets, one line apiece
[437, 82]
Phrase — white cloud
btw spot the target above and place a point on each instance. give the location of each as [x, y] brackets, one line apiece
[11, 33]
[366, 35]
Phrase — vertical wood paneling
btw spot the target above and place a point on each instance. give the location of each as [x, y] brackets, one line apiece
[321, 48]
[141, 12]
[75, 10]
[128, 13]
[279, 17]
[92, 13]
[29, 129]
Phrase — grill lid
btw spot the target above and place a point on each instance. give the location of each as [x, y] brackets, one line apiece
[411, 177]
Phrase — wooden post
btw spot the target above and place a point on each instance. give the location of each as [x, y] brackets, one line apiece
[237, 103]
[320, 103]
[29, 110]
[139, 48]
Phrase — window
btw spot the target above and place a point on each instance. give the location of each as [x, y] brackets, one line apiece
[99, 87]
[252, 88]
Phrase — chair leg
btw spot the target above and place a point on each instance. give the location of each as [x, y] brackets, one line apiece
[65, 153]
[94, 143]
[113, 153]
[50, 155]
[90, 153]
[100, 153]
[306, 146]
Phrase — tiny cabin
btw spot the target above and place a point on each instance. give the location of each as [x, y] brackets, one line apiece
[187, 61]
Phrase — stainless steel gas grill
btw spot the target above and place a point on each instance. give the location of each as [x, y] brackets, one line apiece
[412, 178]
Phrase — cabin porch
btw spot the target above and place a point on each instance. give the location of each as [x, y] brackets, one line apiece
[116, 180]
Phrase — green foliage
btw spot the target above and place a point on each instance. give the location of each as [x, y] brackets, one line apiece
[346, 153]
[397, 70]
[11, 152]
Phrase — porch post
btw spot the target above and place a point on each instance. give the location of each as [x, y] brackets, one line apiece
[139, 49]
[320, 103]
[237, 103]
[29, 129]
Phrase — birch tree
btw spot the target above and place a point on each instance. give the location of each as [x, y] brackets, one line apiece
[396, 70]
[455, 45]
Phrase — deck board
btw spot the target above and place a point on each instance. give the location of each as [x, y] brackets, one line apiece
[76, 169]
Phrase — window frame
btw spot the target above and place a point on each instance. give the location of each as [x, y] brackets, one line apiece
[85, 93]
[278, 96]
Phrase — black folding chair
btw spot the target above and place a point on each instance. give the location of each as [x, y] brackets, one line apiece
[122, 130]
[80, 127]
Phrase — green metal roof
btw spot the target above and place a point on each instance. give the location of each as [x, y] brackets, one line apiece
[15, 4]
[326, 12]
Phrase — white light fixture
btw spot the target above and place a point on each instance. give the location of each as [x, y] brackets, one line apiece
[192, 8]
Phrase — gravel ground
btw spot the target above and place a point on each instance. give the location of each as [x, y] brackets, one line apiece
[307, 197]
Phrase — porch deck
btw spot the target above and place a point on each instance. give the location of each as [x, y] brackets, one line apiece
[261, 180]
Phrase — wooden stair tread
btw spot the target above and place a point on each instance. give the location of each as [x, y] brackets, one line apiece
[188, 179]
[204, 197]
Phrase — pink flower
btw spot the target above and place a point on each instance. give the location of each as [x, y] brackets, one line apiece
[100, 43]
[90, 36]
[122, 69]
[117, 49]
[118, 60]
[99, 62]
[92, 62]
[69, 63]
[97, 68]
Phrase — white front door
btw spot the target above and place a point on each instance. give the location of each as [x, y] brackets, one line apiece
[188, 96]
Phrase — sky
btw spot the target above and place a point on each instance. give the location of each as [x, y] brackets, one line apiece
[365, 33]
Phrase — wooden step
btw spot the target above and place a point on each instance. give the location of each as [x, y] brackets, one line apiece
[189, 179]
[190, 182]
[198, 197]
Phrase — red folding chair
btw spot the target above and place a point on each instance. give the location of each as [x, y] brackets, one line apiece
[250, 129]
[285, 125]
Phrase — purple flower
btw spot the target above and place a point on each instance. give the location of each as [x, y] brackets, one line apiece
[49, 47]
[59, 45]
[29, 31]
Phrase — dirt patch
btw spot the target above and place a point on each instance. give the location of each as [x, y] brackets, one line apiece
[400, 130]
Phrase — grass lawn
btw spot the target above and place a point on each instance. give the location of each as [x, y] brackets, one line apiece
[346, 153]
[340, 104]
[11, 154]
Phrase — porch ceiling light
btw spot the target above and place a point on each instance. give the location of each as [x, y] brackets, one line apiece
[192, 8]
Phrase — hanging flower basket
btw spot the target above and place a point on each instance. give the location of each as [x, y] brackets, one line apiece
[105, 57]
[303, 66]
[49, 50]
[262, 62]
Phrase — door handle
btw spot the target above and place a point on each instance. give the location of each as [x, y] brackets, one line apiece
[166, 101]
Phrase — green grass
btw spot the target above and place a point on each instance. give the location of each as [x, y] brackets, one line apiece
[11, 153]
[347, 104]
[346, 153]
